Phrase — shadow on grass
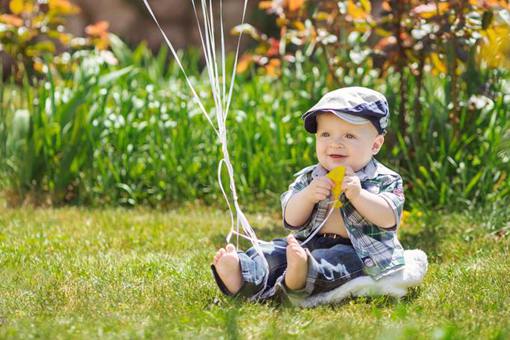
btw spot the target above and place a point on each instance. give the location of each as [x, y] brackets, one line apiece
[231, 306]
[383, 301]
[428, 237]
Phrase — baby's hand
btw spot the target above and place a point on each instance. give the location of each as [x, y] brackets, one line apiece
[351, 184]
[319, 189]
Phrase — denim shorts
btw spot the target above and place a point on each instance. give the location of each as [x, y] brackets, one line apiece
[331, 263]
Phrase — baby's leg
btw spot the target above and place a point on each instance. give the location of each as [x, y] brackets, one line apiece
[297, 267]
[330, 268]
[246, 274]
[226, 262]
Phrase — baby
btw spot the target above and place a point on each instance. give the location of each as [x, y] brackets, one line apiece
[329, 249]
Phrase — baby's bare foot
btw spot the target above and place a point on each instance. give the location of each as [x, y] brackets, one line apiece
[297, 268]
[226, 262]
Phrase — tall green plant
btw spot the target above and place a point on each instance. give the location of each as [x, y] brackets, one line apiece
[132, 134]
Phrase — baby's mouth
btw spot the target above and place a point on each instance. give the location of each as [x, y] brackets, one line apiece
[337, 156]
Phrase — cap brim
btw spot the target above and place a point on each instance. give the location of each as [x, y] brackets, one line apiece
[351, 118]
[310, 119]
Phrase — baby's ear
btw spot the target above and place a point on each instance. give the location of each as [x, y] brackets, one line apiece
[378, 142]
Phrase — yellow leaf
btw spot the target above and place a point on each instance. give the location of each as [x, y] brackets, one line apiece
[299, 25]
[337, 176]
[38, 66]
[28, 7]
[16, 6]
[330, 81]
[266, 4]
[322, 16]
[64, 38]
[404, 217]
[495, 48]
[281, 21]
[382, 32]
[438, 63]
[63, 7]
[356, 13]
[366, 5]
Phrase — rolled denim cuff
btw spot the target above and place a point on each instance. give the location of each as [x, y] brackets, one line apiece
[298, 295]
[295, 297]
[313, 273]
[248, 287]
[220, 283]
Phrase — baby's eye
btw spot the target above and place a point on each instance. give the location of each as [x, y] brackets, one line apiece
[325, 134]
[350, 136]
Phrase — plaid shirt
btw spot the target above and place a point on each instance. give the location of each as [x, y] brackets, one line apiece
[378, 248]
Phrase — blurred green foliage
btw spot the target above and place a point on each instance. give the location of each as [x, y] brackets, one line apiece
[32, 30]
[128, 132]
[449, 38]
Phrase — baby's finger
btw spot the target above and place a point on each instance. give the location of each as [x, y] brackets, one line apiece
[347, 181]
[324, 186]
[323, 192]
[348, 170]
[327, 181]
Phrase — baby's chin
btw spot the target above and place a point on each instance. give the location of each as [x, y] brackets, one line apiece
[331, 165]
[328, 165]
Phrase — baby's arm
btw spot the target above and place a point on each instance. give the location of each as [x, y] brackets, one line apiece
[300, 205]
[372, 207]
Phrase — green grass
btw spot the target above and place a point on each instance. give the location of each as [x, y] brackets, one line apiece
[114, 273]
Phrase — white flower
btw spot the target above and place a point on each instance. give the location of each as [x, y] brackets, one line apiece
[480, 102]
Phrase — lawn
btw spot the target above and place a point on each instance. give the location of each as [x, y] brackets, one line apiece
[114, 273]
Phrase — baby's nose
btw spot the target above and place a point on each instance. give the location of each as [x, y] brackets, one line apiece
[337, 142]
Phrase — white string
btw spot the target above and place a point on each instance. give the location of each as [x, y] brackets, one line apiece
[222, 104]
[217, 82]
[315, 231]
[177, 59]
[223, 65]
[232, 78]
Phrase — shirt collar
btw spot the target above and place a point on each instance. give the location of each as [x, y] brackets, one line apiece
[369, 171]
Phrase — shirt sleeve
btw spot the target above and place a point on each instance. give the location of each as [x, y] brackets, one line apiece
[392, 191]
[299, 184]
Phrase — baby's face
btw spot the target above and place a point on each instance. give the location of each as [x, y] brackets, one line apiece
[343, 143]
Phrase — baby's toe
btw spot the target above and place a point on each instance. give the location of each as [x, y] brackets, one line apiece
[291, 239]
[218, 255]
[230, 248]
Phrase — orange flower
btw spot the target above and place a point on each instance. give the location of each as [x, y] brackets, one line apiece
[273, 68]
[295, 5]
[98, 33]
[63, 6]
[98, 29]
[274, 47]
[266, 4]
[430, 10]
[243, 64]
[12, 20]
